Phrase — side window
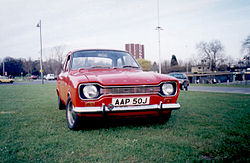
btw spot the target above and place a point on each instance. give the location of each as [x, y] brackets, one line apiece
[120, 62]
[67, 64]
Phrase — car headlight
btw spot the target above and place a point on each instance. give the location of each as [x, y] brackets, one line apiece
[90, 91]
[181, 81]
[167, 89]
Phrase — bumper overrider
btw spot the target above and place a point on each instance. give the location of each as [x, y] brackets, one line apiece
[103, 108]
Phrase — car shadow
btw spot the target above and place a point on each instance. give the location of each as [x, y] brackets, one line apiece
[109, 123]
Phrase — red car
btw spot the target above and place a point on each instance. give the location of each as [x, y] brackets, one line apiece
[99, 83]
[33, 77]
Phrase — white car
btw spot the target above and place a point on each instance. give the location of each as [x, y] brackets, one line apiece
[50, 77]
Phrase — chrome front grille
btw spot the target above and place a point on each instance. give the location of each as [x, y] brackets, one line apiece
[130, 90]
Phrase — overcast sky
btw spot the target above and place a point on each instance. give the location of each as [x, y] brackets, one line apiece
[110, 24]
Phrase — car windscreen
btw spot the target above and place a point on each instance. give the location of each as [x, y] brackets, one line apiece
[178, 76]
[91, 59]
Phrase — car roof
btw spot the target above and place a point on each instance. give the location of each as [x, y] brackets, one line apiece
[98, 50]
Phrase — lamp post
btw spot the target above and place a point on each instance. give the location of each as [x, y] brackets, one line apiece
[159, 38]
[41, 57]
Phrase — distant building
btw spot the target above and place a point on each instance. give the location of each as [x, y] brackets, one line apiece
[203, 67]
[200, 69]
[136, 50]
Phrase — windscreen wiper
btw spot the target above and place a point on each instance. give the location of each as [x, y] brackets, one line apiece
[101, 67]
[129, 66]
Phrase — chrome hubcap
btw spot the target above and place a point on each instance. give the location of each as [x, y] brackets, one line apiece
[71, 114]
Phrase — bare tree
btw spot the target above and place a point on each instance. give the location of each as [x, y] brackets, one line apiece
[211, 51]
[246, 46]
[28, 65]
[155, 67]
[54, 61]
[189, 63]
[230, 61]
[246, 51]
[181, 62]
[165, 67]
[174, 61]
[59, 52]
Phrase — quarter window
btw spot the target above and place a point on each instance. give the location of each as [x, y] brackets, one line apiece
[67, 63]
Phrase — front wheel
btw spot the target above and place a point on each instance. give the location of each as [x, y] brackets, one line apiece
[73, 120]
[61, 105]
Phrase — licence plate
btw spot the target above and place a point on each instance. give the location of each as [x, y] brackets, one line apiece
[130, 101]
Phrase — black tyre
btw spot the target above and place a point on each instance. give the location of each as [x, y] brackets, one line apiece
[73, 120]
[186, 88]
[181, 87]
[61, 105]
[164, 118]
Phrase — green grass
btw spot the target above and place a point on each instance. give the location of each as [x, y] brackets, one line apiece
[209, 126]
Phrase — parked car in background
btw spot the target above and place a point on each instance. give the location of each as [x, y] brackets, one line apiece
[33, 77]
[4, 79]
[50, 77]
[110, 83]
[183, 79]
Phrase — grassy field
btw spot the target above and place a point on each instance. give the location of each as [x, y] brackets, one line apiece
[209, 126]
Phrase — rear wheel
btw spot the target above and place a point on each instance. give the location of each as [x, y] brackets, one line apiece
[181, 86]
[185, 85]
[73, 120]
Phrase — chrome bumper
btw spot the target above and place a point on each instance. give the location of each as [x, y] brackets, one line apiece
[104, 108]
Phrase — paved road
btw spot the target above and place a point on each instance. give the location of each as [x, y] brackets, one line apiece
[30, 82]
[220, 89]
